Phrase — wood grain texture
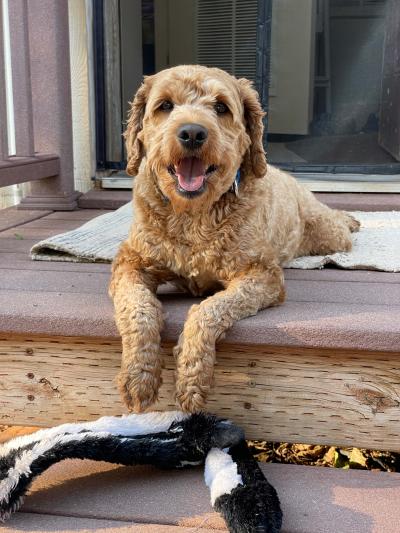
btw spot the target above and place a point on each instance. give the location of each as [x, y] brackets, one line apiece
[16, 431]
[279, 394]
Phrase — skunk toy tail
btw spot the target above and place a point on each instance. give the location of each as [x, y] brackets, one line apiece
[239, 490]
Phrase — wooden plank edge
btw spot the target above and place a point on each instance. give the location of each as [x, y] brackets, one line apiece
[316, 396]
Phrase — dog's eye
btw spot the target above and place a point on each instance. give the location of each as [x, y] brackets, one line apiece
[166, 105]
[221, 108]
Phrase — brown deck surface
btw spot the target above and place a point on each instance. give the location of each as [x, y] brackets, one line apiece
[85, 496]
[11, 217]
[330, 307]
[324, 308]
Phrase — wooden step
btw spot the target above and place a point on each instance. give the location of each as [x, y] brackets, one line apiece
[322, 368]
[314, 499]
[317, 396]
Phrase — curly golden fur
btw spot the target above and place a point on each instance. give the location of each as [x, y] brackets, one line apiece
[208, 239]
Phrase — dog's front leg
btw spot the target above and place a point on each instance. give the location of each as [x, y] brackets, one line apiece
[195, 353]
[139, 319]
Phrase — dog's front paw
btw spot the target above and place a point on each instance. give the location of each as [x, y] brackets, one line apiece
[190, 401]
[139, 389]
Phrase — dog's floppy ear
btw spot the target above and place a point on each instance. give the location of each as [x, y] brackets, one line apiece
[133, 143]
[254, 158]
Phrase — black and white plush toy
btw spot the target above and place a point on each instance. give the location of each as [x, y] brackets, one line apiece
[239, 490]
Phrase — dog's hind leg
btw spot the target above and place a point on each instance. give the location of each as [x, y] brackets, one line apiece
[327, 231]
[139, 319]
[244, 295]
[352, 223]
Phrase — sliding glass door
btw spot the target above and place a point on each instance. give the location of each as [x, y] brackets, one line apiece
[326, 71]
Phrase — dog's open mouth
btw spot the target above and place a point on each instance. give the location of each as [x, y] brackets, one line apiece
[191, 174]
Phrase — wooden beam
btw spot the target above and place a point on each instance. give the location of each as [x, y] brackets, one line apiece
[346, 398]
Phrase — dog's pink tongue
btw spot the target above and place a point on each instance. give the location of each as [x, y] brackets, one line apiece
[191, 173]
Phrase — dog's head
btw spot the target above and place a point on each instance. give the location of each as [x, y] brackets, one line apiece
[196, 126]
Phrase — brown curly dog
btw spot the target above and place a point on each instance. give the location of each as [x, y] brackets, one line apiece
[190, 130]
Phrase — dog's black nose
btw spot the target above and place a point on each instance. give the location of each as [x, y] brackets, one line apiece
[192, 135]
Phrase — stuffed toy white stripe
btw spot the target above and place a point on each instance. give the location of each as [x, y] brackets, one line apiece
[221, 473]
[239, 491]
[248, 503]
[128, 425]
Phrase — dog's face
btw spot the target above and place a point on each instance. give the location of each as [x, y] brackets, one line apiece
[196, 126]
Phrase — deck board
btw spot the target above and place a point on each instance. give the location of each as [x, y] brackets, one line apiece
[314, 324]
[16, 245]
[22, 261]
[31, 234]
[61, 225]
[79, 214]
[12, 217]
[49, 523]
[43, 228]
[379, 294]
[52, 281]
[328, 307]
[341, 275]
[314, 499]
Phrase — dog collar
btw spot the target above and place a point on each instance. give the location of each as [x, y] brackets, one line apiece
[235, 185]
